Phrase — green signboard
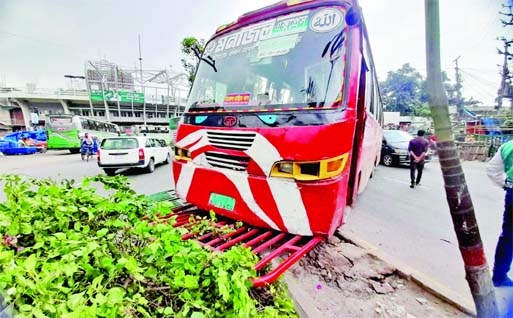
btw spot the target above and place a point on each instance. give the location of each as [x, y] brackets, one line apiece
[129, 96]
[114, 96]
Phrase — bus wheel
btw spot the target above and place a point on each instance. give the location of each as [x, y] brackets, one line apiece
[74, 150]
[109, 171]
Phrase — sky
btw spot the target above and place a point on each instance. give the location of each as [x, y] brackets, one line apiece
[42, 40]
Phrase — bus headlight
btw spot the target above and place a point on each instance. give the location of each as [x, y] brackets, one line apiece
[285, 167]
[182, 154]
[310, 170]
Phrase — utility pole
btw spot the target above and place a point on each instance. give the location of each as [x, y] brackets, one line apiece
[505, 75]
[142, 83]
[458, 86]
[506, 88]
[140, 60]
[510, 15]
[456, 190]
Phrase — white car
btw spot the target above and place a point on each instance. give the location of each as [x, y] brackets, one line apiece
[132, 152]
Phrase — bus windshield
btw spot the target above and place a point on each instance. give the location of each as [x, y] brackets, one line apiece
[60, 122]
[295, 60]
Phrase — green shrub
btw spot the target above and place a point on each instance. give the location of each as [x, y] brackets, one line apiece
[66, 251]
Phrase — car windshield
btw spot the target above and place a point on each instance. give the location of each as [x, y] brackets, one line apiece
[119, 143]
[397, 136]
[296, 59]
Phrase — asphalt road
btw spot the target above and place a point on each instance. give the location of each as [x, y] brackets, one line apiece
[63, 165]
[412, 225]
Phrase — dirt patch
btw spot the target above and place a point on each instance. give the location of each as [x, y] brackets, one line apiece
[339, 279]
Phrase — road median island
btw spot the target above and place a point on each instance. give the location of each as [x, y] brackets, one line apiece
[345, 277]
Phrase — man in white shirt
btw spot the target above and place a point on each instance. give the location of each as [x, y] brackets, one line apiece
[500, 171]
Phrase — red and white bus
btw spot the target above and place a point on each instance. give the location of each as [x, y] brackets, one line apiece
[283, 124]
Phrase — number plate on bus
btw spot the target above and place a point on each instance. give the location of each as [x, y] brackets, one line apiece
[222, 201]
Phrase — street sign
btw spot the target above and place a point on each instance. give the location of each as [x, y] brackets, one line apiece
[129, 96]
[114, 96]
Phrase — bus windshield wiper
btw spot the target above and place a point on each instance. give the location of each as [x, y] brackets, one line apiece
[209, 60]
[335, 48]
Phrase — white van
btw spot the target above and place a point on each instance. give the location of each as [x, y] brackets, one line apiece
[132, 152]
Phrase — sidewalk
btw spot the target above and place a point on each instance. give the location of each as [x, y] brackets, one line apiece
[312, 302]
[504, 296]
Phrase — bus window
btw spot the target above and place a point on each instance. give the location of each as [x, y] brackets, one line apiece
[60, 120]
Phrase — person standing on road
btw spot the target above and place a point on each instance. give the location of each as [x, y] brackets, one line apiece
[500, 170]
[417, 148]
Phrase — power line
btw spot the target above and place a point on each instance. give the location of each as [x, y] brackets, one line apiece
[480, 79]
[485, 32]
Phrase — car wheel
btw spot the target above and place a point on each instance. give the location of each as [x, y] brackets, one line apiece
[151, 166]
[110, 171]
[388, 160]
[168, 159]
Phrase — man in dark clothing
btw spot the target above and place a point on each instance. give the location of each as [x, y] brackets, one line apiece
[418, 148]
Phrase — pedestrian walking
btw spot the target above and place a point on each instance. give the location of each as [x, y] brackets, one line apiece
[418, 149]
[500, 170]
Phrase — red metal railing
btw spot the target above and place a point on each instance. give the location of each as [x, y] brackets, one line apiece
[276, 250]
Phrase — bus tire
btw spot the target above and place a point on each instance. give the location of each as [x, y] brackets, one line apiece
[74, 150]
[110, 171]
[151, 166]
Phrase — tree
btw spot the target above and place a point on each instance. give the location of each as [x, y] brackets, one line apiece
[191, 48]
[405, 91]
[402, 90]
[458, 197]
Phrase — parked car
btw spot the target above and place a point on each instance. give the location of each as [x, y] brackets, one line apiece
[394, 149]
[132, 152]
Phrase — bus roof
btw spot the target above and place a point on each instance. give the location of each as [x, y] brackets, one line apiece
[80, 116]
[279, 8]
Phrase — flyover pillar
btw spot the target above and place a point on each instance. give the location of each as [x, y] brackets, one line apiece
[25, 110]
[64, 104]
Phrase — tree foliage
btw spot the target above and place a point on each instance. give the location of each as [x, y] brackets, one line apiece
[190, 60]
[402, 90]
[405, 91]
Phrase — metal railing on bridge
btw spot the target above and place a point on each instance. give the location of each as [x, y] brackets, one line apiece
[21, 92]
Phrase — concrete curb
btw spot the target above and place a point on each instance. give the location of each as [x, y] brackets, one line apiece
[408, 273]
[302, 302]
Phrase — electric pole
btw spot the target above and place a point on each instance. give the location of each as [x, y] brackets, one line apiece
[458, 86]
[140, 59]
[506, 88]
[509, 15]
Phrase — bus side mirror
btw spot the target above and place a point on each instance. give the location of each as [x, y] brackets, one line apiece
[353, 16]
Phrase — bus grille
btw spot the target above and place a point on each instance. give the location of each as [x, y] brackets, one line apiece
[221, 160]
[231, 140]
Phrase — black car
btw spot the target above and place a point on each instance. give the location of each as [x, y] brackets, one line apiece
[394, 149]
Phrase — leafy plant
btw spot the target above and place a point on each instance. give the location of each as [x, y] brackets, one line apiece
[67, 251]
